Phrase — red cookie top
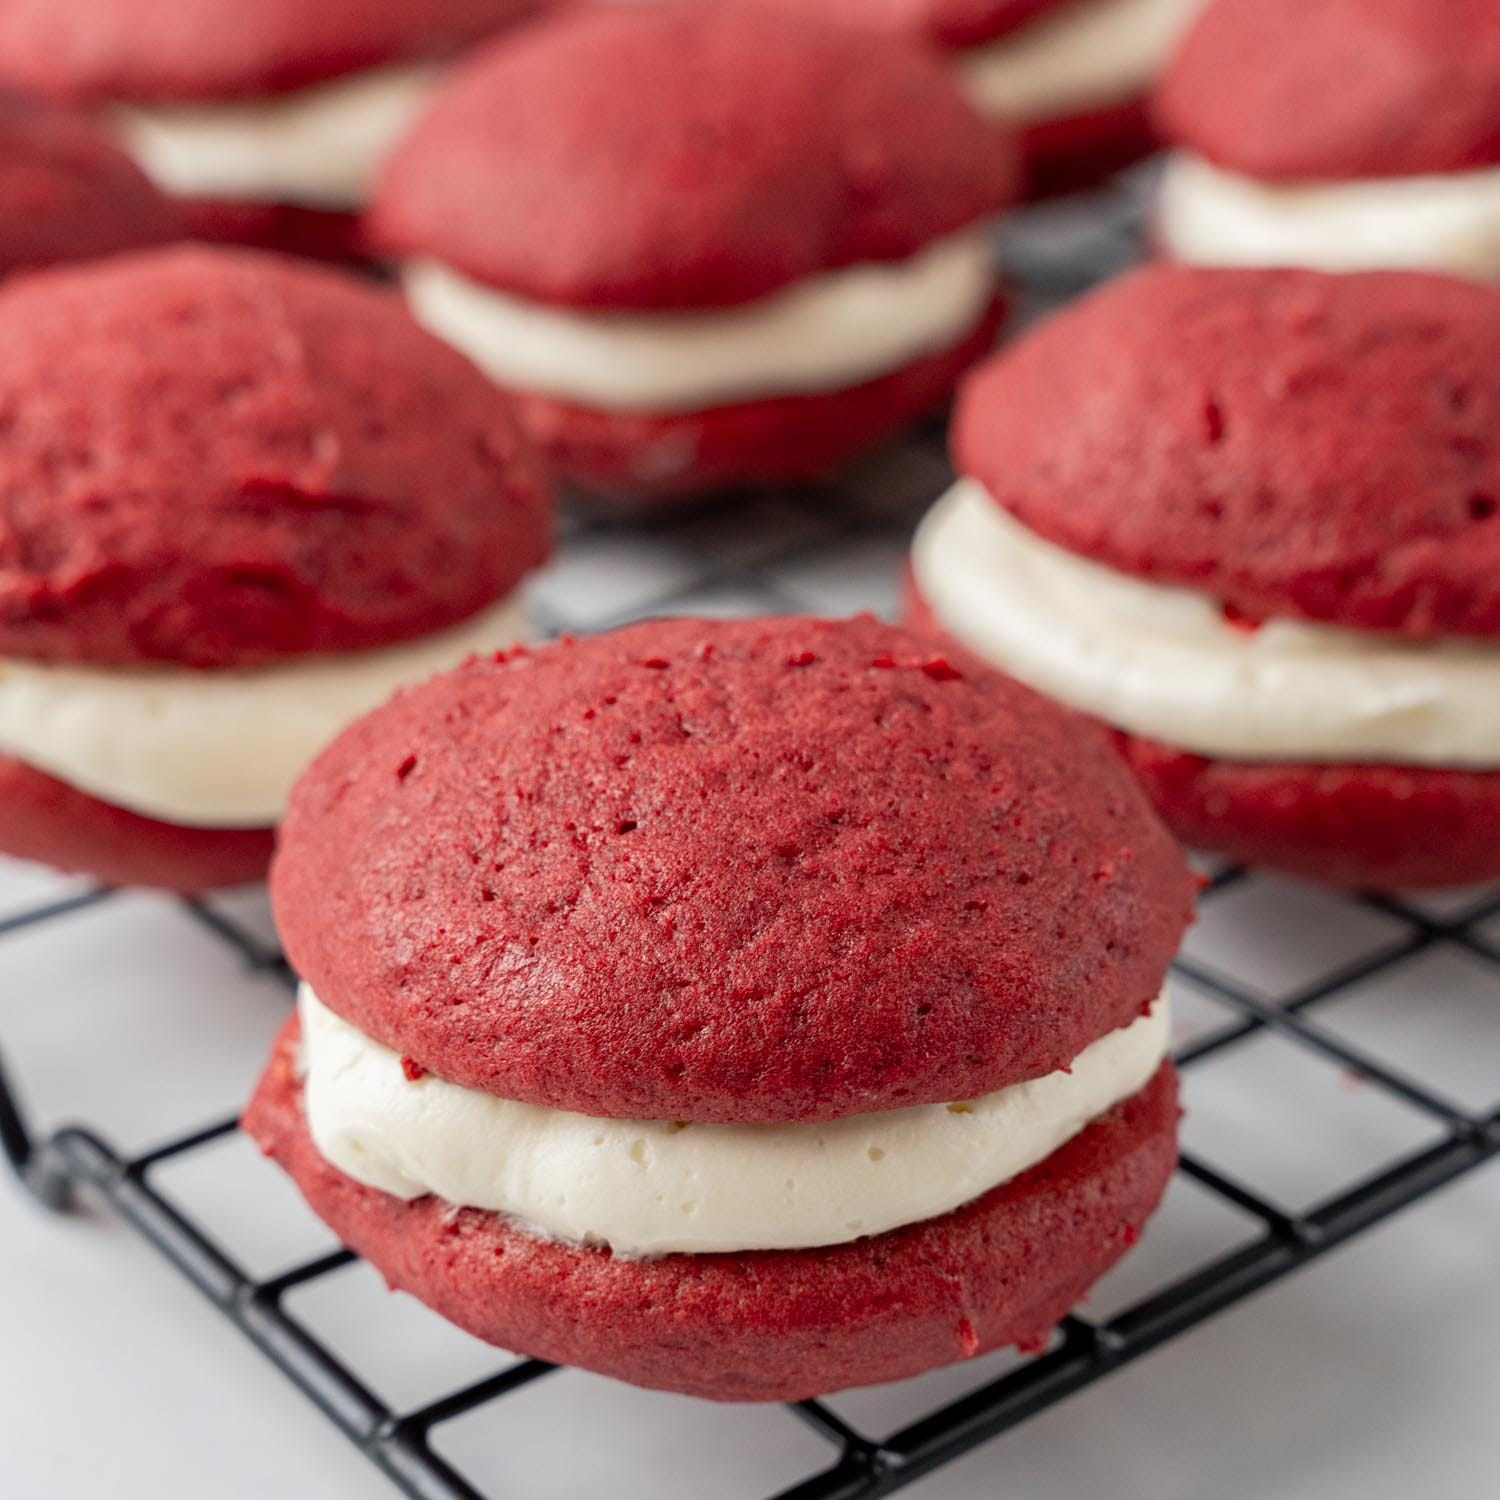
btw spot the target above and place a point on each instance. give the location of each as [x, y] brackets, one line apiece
[218, 458]
[66, 193]
[737, 156]
[759, 870]
[1297, 444]
[948, 23]
[1282, 89]
[163, 50]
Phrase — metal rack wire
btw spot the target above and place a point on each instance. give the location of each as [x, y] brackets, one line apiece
[752, 561]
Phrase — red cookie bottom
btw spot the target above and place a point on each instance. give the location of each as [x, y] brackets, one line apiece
[762, 1325]
[642, 461]
[1370, 827]
[46, 820]
[333, 235]
[1354, 826]
[1079, 152]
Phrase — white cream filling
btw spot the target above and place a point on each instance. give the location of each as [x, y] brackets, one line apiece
[1445, 222]
[319, 147]
[654, 1187]
[214, 749]
[824, 333]
[1164, 663]
[1083, 56]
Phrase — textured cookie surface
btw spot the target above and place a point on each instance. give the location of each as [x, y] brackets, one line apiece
[728, 871]
[762, 1326]
[44, 819]
[218, 458]
[1342, 88]
[1292, 443]
[740, 156]
[164, 50]
[66, 193]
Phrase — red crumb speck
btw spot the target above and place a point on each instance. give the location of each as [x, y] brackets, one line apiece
[940, 669]
[706, 651]
[1130, 1235]
[968, 1339]
[1239, 620]
[626, 825]
[414, 1070]
[567, 638]
[656, 663]
[591, 713]
[406, 767]
[801, 659]
[884, 662]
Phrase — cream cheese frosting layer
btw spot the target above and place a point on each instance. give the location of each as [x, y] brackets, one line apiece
[1080, 57]
[660, 1187]
[1163, 662]
[214, 749]
[320, 147]
[824, 333]
[1447, 222]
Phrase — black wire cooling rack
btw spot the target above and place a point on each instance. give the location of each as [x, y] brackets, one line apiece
[860, 1464]
[790, 556]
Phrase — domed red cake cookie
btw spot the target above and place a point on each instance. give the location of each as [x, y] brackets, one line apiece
[1289, 156]
[1279, 527]
[241, 500]
[1291, 443]
[196, 438]
[760, 1325]
[779, 222]
[1426, 97]
[794, 875]
[67, 194]
[53, 823]
[614, 770]
[1073, 75]
[267, 120]
[171, 51]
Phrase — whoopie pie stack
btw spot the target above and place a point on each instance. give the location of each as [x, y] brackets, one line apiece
[1346, 135]
[747, 1009]
[268, 118]
[1266, 548]
[241, 500]
[702, 249]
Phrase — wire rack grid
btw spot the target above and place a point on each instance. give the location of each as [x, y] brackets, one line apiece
[837, 549]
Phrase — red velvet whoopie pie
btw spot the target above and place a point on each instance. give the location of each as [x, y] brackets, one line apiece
[1288, 155]
[241, 500]
[266, 118]
[1266, 552]
[700, 250]
[698, 901]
